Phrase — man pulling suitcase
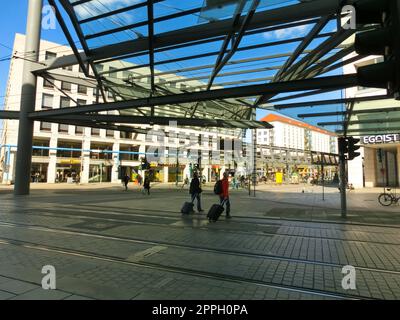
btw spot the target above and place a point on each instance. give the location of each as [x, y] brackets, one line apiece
[222, 190]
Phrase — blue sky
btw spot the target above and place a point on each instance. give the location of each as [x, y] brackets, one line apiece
[14, 16]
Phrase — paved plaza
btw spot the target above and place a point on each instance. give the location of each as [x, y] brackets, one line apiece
[286, 243]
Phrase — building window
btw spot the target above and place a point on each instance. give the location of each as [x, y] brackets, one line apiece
[45, 126]
[66, 86]
[110, 133]
[63, 128]
[79, 130]
[133, 156]
[50, 55]
[126, 135]
[99, 67]
[64, 102]
[81, 102]
[95, 132]
[128, 75]
[100, 154]
[69, 68]
[82, 89]
[69, 150]
[40, 149]
[47, 101]
[48, 83]
[112, 73]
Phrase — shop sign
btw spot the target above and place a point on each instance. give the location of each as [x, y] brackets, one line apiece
[383, 138]
[71, 161]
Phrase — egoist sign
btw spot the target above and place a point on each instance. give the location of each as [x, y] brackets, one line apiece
[379, 139]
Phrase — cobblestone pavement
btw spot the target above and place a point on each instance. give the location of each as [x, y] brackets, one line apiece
[109, 244]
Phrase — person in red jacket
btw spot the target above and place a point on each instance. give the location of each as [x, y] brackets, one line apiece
[224, 196]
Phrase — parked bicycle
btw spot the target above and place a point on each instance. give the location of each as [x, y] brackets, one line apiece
[389, 198]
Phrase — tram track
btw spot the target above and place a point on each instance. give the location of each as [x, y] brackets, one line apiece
[181, 271]
[280, 219]
[56, 213]
[205, 249]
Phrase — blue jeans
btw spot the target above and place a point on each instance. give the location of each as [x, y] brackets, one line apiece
[227, 204]
[198, 198]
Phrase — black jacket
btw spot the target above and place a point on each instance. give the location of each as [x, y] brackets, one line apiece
[195, 186]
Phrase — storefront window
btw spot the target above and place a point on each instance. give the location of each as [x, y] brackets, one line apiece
[39, 172]
[99, 173]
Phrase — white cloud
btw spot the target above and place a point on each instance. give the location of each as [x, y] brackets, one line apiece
[288, 33]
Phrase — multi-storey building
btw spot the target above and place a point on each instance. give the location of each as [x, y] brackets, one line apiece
[294, 134]
[379, 162]
[65, 153]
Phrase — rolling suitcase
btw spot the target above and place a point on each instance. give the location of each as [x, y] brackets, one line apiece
[215, 212]
[187, 208]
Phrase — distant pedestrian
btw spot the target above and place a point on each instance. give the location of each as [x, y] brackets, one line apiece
[224, 195]
[126, 181]
[146, 185]
[195, 191]
[185, 182]
[139, 180]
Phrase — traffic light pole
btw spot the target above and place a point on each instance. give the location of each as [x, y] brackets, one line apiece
[342, 169]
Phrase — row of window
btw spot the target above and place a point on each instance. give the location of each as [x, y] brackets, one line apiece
[79, 130]
[65, 102]
[65, 86]
[46, 126]
[112, 73]
[74, 150]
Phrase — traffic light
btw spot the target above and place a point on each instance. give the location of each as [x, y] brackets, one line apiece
[383, 40]
[352, 147]
[343, 146]
[348, 146]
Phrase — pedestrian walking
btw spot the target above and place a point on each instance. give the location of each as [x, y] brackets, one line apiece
[146, 185]
[126, 181]
[139, 180]
[195, 191]
[185, 182]
[224, 195]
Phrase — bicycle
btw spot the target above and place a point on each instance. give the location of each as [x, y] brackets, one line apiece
[388, 199]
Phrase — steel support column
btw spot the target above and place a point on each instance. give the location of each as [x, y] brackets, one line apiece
[28, 98]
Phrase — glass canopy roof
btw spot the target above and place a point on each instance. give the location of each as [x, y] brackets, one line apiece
[220, 59]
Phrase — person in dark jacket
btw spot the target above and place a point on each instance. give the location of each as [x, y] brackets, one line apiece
[195, 191]
[146, 185]
[126, 181]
